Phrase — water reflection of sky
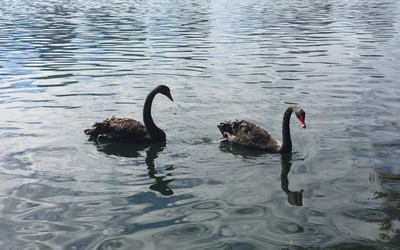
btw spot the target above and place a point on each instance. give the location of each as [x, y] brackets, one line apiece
[65, 65]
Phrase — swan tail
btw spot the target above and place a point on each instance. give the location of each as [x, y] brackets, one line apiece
[229, 127]
[229, 130]
[225, 128]
[88, 131]
[98, 128]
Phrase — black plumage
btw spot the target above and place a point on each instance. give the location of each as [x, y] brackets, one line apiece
[130, 130]
[250, 135]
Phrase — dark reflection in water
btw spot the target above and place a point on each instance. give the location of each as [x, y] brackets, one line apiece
[294, 198]
[120, 149]
[161, 185]
[134, 150]
[232, 148]
[389, 214]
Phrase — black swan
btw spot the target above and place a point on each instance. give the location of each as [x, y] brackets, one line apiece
[250, 135]
[129, 130]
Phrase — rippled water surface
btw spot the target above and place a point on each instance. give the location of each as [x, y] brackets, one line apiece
[67, 64]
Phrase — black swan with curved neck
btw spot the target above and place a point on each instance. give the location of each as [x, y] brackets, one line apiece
[130, 130]
[250, 135]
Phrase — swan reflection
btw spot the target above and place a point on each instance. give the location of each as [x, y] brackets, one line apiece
[134, 150]
[235, 149]
[295, 198]
[120, 149]
[161, 185]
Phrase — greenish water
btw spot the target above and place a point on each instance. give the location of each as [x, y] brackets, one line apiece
[67, 64]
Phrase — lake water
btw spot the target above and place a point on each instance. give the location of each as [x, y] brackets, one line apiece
[67, 64]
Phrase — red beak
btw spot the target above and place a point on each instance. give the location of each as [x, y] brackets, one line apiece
[170, 96]
[302, 122]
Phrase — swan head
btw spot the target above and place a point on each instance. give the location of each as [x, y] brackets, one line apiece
[301, 115]
[165, 91]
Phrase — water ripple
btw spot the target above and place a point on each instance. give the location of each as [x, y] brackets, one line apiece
[189, 233]
[67, 64]
[119, 243]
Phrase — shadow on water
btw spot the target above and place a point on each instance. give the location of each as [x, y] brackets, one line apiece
[295, 198]
[228, 147]
[134, 150]
[120, 149]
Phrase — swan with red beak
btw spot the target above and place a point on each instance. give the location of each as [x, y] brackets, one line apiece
[247, 134]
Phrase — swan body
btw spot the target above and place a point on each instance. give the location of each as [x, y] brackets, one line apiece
[130, 130]
[120, 129]
[250, 135]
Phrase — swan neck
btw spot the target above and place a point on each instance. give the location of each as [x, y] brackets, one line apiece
[286, 139]
[151, 127]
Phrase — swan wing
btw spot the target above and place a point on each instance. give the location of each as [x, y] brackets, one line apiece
[250, 135]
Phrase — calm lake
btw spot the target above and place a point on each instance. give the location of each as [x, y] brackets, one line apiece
[67, 64]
